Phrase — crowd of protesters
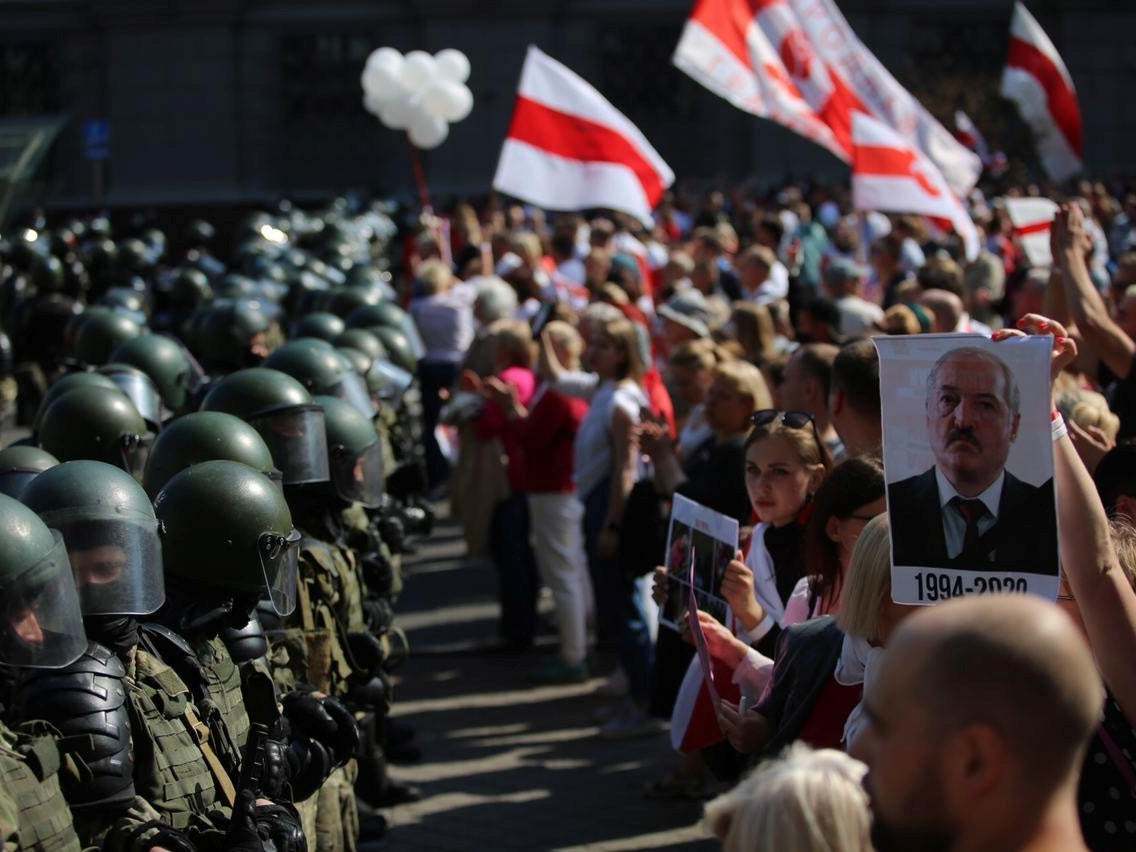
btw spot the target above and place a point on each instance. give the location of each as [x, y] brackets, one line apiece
[581, 371]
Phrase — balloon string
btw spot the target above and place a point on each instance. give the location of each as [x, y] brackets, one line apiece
[419, 177]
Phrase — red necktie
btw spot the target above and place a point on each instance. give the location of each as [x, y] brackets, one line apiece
[972, 512]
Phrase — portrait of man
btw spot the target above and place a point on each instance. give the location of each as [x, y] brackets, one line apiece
[968, 511]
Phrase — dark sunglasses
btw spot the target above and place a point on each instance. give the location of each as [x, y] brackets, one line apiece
[792, 419]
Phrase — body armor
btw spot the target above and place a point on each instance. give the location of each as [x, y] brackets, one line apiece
[86, 702]
[173, 773]
[29, 766]
[247, 643]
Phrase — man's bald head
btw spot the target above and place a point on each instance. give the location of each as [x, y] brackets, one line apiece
[946, 307]
[1014, 663]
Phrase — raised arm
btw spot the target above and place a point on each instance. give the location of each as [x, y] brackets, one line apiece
[1086, 307]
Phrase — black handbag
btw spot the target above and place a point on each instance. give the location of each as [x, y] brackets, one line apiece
[643, 535]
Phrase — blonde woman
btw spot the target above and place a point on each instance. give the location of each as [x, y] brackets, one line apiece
[805, 801]
[605, 464]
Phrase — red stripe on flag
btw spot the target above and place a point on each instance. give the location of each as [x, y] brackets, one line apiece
[576, 138]
[728, 20]
[890, 162]
[1033, 228]
[1060, 98]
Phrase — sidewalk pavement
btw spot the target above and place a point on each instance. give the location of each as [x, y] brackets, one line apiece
[506, 766]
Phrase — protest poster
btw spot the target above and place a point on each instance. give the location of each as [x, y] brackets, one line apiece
[714, 540]
[699, 637]
[968, 460]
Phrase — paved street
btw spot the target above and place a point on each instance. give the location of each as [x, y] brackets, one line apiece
[506, 766]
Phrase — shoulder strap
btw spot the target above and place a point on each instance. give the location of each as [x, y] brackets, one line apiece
[201, 734]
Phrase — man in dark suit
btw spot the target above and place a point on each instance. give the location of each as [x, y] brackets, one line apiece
[968, 511]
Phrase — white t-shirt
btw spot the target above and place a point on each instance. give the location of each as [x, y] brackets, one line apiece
[593, 460]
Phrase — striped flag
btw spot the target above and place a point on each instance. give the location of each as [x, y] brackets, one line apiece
[1032, 219]
[889, 174]
[798, 63]
[967, 132]
[1039, 83]
[569, 149]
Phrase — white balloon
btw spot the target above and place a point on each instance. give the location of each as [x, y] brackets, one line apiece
[418, 70]
[453, 65]
[428, 131]
[385, 57]
[372, 104]
[382, 82]
[397, 114]
[461, 105]
[439, 98]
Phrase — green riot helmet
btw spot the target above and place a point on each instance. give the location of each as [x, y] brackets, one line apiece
[282, 411]
[111, 535]
[228, 526]
[362, 340]
[345, 301]
[190, 288]
[20, 465]
[200, 437]
[139, 389]
[320, 325]
[66, 383]
[322, 370]
[41, 623]
[99, 424]
[354, 452]
[386, 314]
[165, 362]
[360, 361]
[388, 381]
[231, 336]
[99, 335]
[399, 349]
[124, 300]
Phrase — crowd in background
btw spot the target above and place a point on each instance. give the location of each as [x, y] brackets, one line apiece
[580, 371]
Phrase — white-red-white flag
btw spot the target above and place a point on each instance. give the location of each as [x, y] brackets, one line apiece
[967, 132]
[798, 63]
[1039, 83]
[1032, 219]
[569, 149]
[888, 173]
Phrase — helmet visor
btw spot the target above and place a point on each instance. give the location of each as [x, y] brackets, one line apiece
[41, 624]
[352, 389]
[135, 450]
[116, 560]
[417, 347]
[280, 560]
[389, 380]
[13, 482]
[142, 393]
[359, 478]
[296, 437]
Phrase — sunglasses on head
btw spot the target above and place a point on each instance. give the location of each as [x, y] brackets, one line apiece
[792, 419]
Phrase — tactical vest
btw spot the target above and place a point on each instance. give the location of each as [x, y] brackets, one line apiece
[222, 684]
[29, 767]
[172, 769]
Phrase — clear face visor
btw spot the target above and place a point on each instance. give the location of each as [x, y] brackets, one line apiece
[414, 338]
[389, 381]
[13, 482]
[116, 561]
[135, 450]
[280, 561]
[41, 623]
[358, 478]
[142, 392]
[352, 389]
[298, 442]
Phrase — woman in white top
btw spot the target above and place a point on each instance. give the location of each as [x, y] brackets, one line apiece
[605, 467]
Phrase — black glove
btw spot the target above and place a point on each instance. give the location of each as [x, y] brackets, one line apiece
[310, 762]
[392, 532]
[281, 825]
[323, 719]
[372, 695]
[378, 613]
[276, 769]
[367, 653]
[167, 838]
[243, 835]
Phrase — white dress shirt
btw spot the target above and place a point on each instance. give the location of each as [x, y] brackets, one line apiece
[954, 524]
